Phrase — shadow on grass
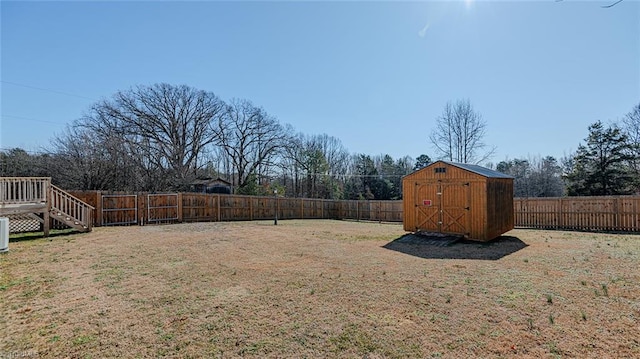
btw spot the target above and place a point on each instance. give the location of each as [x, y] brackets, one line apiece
[454, 248]
[29, 236]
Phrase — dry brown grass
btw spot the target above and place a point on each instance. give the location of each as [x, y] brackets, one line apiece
[318, 289]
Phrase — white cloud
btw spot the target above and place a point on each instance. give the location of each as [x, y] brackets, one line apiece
[423, 32]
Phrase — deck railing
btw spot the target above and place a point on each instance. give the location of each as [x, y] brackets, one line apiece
[22, 190]
[72, 207]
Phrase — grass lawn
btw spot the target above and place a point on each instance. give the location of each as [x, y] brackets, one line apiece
[318, 288]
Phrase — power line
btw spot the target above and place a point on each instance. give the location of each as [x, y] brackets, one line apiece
[47, 90]
[31, 152]
[30, 119]
[352, 175]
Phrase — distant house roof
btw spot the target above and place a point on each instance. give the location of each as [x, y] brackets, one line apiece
[483, 171]
[207, 181]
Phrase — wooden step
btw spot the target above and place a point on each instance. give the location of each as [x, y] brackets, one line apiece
[69, 221]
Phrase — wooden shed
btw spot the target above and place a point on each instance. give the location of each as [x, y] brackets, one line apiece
[458, 198]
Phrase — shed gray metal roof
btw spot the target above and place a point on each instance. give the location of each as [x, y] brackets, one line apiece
[483, 171]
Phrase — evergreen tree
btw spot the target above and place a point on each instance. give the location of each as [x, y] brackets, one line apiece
[601, 166]
[251, 186]
[421, 162]
[364, 180]
[388, 183]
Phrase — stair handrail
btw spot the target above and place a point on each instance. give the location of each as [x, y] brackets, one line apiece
[71, 206]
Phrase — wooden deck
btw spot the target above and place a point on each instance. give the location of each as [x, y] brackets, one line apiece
[44, 201]
[17, 208]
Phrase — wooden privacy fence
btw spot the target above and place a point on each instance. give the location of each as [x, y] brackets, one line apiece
[619, 213]
[141, 208]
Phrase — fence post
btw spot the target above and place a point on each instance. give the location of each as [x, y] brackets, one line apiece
[98, 213]
[636, 216]
[616, 212]
[251, 208]
[142, 199]
[219, 215]
[558, 212]
[179, 207]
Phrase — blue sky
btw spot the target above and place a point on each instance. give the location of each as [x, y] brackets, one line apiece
[374, 74]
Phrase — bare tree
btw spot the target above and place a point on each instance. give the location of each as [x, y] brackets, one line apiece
[631, 127]
[459, 134]
[91, 161]
[292, 171]
[315, 164]
[16, 162]
[547, 177]
[337, 157]
[250, 138]
[535, 176]
[86, 163]
[165, 127]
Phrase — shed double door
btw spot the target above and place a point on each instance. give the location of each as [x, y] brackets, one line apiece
[443, 206]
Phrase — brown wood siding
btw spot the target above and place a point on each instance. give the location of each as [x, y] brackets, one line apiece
[478, 210]
[499, 208]
[488, 202]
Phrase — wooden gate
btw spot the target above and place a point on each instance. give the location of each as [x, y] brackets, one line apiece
[162, 207]
[442, 207]
[119, 209]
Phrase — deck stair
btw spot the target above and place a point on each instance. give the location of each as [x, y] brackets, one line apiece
[38, 198]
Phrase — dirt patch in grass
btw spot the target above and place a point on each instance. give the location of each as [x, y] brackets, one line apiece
[319, 289]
